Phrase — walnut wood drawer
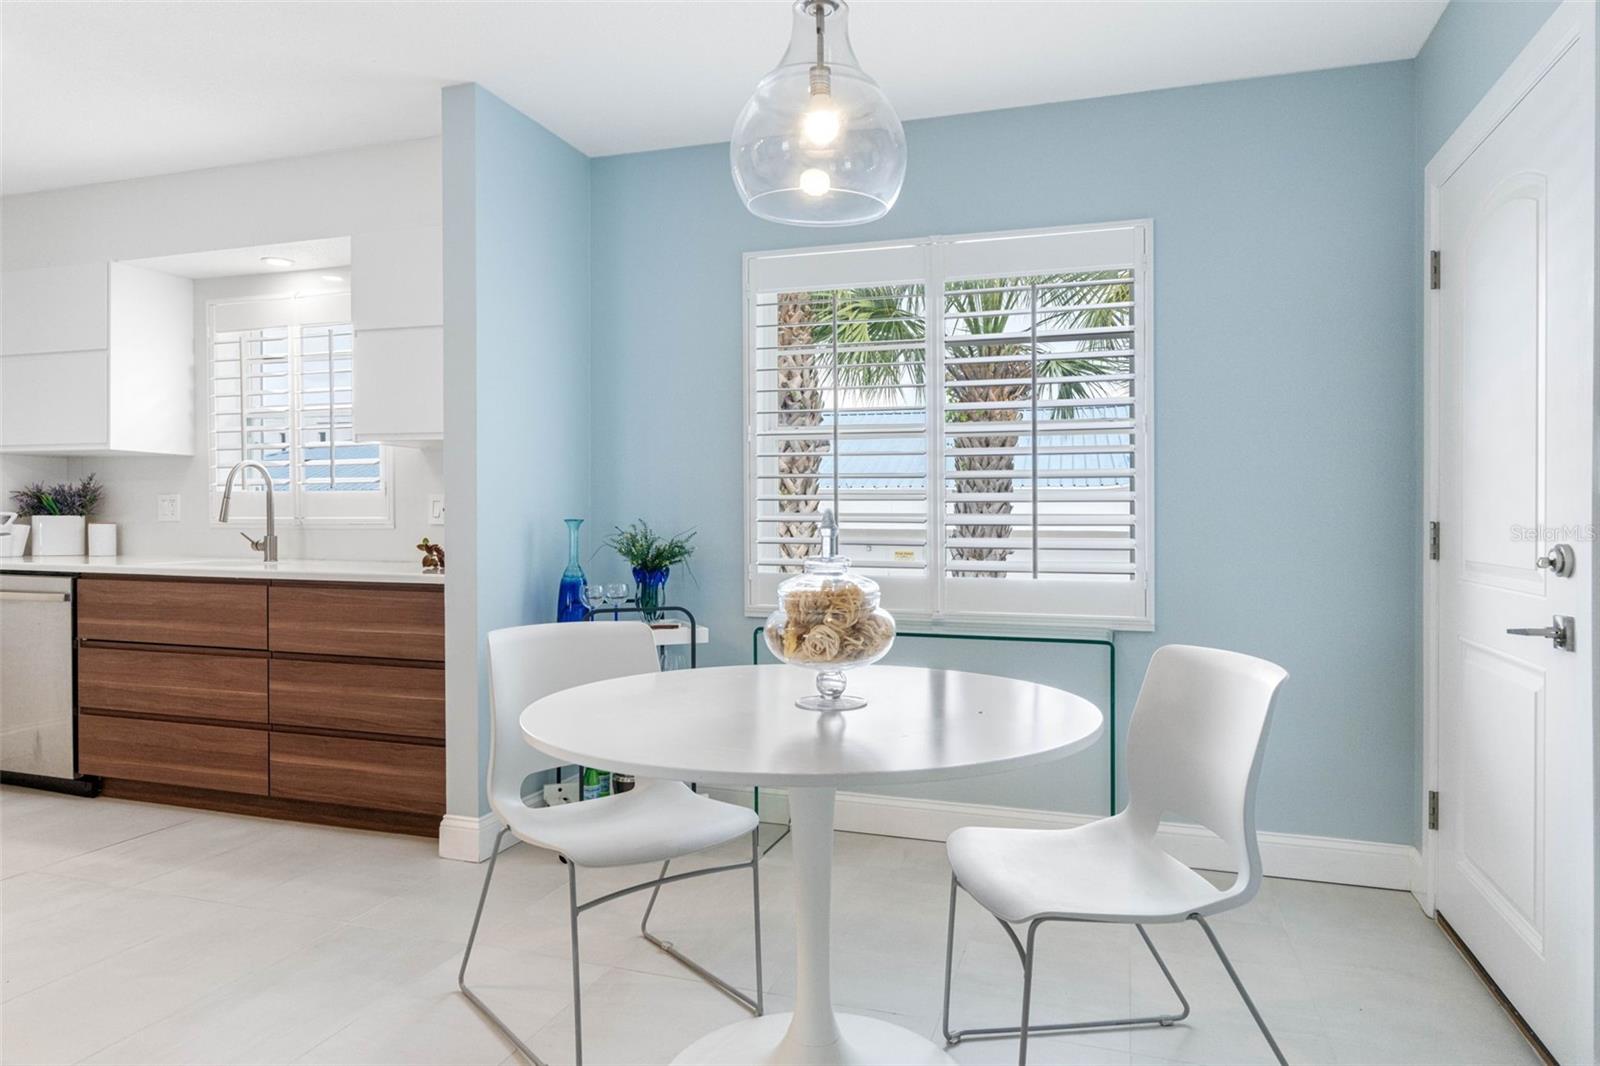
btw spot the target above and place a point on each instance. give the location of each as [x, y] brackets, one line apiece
[370, 622]
[178, 684]
[381, 774]
[222, 758]
[405, 701]
[216, 614]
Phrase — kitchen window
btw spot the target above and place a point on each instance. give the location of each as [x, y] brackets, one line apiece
[282, 384]
[976, 410]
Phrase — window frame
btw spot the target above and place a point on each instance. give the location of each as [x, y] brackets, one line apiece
[251, 505]
[928, 261]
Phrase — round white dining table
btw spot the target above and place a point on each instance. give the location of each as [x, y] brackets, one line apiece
[738, 725]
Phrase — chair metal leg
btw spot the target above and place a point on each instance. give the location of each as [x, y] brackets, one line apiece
[1027, 995]
[1249, 1003]
[1025, 954]
[466, 956]
[757, 1005]
[949, 966]
[755, 907]
[577, 984]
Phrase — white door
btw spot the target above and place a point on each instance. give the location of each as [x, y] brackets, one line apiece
[1514, 223]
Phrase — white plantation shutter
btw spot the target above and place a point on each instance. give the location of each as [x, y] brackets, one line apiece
[1019, 488]
[251, 403]
[281, 393]
[840, 420]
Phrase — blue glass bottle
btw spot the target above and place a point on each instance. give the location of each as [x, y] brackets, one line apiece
[572, 602]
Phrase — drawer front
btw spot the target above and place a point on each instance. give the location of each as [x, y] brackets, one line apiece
[370, 622]
[174, 753]
[380, 774]
[405, 701]
[227, 687]
[215, 614]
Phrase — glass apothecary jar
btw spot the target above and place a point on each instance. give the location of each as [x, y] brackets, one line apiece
[830, 620]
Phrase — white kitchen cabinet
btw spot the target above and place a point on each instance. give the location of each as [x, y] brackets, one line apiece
[397, 278]
[399, 385]
[397, 300]
[97, 359]
[56, 309]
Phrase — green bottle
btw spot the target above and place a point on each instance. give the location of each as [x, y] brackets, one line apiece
[596, 783]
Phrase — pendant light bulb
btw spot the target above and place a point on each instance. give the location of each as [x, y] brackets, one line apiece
[818, 144]
[821, 124]
[815, 182]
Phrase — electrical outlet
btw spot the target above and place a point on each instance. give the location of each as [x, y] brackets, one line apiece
[435, 510]
[566, 792]
[169, 508]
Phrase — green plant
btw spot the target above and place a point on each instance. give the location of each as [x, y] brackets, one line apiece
[644, 549]
[63, 498]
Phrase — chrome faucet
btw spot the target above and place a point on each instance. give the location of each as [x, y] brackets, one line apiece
[268, 544]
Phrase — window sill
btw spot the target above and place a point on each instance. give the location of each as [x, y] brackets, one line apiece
[989, 626]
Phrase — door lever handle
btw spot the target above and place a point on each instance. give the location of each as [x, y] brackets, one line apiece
[1561, 632]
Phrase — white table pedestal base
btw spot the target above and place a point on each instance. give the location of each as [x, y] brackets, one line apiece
[862, 1042]
[813, 1035]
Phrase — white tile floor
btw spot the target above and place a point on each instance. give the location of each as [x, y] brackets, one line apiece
[134, 933]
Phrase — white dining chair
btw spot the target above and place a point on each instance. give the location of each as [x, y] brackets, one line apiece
[656, 821]
[1194, 752]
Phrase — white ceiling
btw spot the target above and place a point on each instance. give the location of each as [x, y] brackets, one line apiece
[110, 90]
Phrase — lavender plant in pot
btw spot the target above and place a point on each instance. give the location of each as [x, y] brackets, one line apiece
[58, 513]
[652, 558]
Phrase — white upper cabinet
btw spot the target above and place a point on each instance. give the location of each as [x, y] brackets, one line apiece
[397, 278]
[397, 300]
[56, 309]
[97, 359]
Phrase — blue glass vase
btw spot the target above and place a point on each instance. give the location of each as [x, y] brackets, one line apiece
[572, 602]
[650, 591]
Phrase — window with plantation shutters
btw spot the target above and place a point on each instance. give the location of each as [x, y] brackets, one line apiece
[281, 395]
[974, 409]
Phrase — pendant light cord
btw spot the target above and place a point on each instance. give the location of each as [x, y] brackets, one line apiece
[821, 79]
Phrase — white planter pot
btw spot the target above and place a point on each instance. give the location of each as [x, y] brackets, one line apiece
[102, 538]
[58, 534]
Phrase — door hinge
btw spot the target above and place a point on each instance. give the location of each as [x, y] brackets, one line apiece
[1433, 541]
[1433, 809]
[1433, 269]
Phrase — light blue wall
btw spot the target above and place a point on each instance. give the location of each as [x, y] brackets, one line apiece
[1471, 46]
[1286, 403]
[1287, 218]
[517, 219]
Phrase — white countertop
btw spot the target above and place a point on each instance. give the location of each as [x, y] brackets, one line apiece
[231, 567]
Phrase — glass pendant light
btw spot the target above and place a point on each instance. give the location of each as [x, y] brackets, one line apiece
[818, 144]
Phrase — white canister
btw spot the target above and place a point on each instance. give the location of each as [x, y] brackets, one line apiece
[13, 536]
[102, 538]
[58, 534]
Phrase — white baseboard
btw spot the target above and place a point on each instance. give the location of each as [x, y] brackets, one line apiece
[470, 839]
[1370, 864]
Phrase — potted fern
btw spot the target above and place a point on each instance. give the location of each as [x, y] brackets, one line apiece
[652, 558]
[58, 513]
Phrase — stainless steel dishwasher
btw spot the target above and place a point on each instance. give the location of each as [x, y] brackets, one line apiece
[38, 729]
